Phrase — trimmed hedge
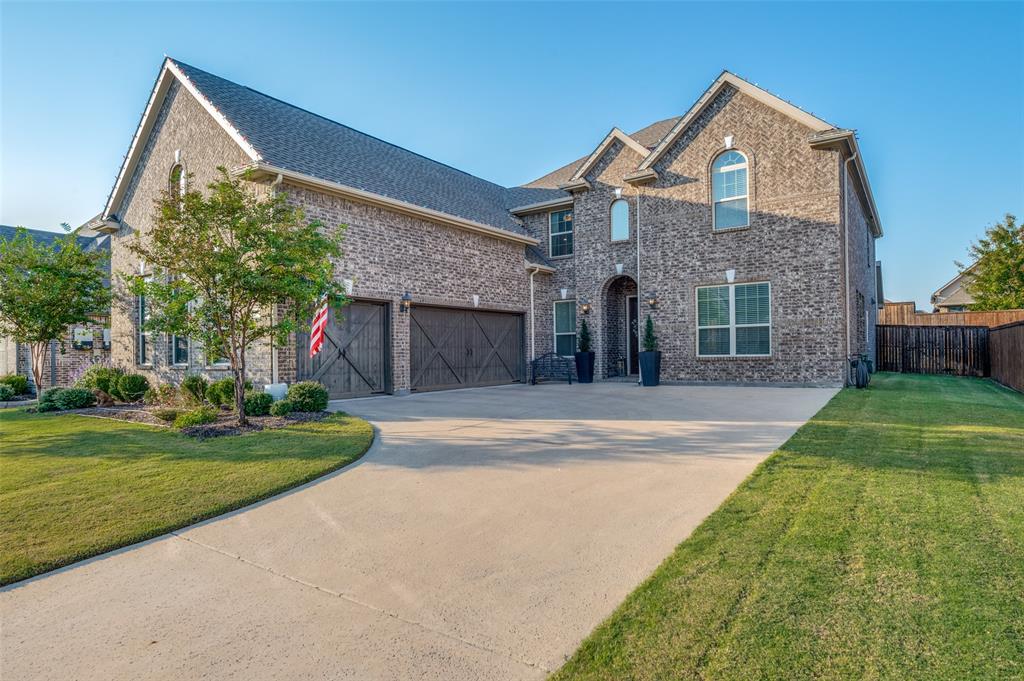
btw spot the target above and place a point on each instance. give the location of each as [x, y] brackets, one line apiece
[16, 382]
[6, 392]
[102, 377]
[195, 417]
[131, 387]
[194, 385]
[257, 403]
[308, 396]
[281, 408]
[61, 399]
[221, 393]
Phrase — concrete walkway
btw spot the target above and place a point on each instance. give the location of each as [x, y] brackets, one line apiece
[486, 533]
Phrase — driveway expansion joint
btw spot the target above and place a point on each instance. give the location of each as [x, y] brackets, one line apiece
[356, 601]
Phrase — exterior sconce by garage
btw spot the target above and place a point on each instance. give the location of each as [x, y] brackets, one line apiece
[584, 306]
[405, 303]
[652, 299]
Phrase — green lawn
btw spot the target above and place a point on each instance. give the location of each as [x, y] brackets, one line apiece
[885, 540]
[74, 486]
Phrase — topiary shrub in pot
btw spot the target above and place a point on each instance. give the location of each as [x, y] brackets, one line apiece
[308, 396]
[650, 358]
[584, 356]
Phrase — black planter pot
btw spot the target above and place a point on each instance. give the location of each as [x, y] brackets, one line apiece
[585, 367]
[650, 368]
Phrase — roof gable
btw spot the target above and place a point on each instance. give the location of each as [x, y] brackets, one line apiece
[613, 135]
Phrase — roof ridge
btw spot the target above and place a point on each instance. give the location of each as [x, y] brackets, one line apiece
[334, 122]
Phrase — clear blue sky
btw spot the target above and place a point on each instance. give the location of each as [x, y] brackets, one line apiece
[511, 91]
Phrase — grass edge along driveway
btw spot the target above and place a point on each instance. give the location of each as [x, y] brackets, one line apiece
[73, 487]
[885, 539]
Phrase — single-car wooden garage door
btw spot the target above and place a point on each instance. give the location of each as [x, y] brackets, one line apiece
[354, 358]
[454, 348]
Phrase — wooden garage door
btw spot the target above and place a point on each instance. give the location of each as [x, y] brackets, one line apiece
[354, 358]
[452, 348]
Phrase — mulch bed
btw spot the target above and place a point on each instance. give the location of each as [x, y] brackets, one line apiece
[226, 423]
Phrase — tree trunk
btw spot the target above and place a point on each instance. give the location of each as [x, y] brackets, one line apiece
[38, 351]
[238, 368]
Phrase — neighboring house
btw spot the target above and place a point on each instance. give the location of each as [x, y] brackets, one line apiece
[82, 345]
[953, 295]
[745, 228]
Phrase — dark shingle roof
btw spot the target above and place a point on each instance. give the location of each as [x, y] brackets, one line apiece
[298, 140]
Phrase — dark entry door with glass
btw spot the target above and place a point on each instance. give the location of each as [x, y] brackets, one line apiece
[633, 337]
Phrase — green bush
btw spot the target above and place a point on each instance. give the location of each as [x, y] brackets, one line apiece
[103, 377]
[131, 387]
[257, 403]
[16, 382]
[6, 392]
[48, 400]
[194, 385]
[308, 396]
[281, 408]
[195, 417]
[164, 394]
[74, 398]
[165, 414]
[221, 393]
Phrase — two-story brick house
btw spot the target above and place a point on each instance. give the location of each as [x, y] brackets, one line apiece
[744, 227]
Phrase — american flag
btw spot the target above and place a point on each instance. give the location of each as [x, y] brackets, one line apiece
[316, 332]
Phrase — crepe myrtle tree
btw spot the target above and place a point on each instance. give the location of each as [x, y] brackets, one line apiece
[216, 265]
[997, 280]
[44, 288]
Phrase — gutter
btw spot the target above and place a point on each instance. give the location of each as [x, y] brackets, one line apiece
[395, 205]
[541, 206]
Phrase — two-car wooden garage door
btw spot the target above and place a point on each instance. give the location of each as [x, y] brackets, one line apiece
[449, 348]
[454, 348]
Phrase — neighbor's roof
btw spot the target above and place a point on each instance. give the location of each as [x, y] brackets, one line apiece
[45, 238]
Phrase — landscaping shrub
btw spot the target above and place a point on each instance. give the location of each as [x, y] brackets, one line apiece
[166, 414]
[281, 408]
[194, 385]
[131, 387]
[101, 377]
[308, 396]
[48, 400]
[257, 403]
[221, 393]
[74, 398]
[195, 417]
[164, 395]
[16, 382]
[6, 392]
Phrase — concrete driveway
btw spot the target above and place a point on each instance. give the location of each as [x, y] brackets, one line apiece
[483, 537]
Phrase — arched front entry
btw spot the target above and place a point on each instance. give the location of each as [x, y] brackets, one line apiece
[621, 327]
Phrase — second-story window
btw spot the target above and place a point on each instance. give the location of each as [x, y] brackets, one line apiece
[620, 220]
[729, 190]
[560, 223]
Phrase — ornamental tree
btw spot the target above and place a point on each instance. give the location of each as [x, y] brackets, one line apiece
[44, 288]
[220, 264]
[996, 281]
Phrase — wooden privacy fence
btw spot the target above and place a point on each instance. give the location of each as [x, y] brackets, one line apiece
[1006, 353]
[904, 313]
[955, 350]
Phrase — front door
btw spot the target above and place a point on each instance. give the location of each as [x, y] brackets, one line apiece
[633, 333]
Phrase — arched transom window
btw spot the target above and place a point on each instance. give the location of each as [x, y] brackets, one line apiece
[620, 220]
[729, 190]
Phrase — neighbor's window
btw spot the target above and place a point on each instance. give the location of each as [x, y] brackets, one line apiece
[177, 180]
[734, 320]
[565, 327]
[561, 232]
[729, 190]
[144, 336]
[620, 220]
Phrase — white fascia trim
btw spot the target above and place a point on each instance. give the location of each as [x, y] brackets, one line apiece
[613, 134]
[542, 206]
[156, 99]
[953, 281]
[389, 203]
[534, 267]
[747, 88]
[850, 138]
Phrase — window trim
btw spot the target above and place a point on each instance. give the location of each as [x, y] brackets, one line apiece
[714, 203]
[611, 221]
[188, 352]
[732, 325]
[552, 233]
[554, 325]
[143, 339]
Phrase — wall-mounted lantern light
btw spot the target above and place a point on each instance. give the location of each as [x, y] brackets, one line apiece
[652, 299]
[405, 303]
[730, 276]
[476, 300]
[584, 306]
[618, 268]
[565, 293]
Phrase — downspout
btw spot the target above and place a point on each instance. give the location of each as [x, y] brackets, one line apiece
[533, 314]
[273, 310]
[846, 253]
[639, 365]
